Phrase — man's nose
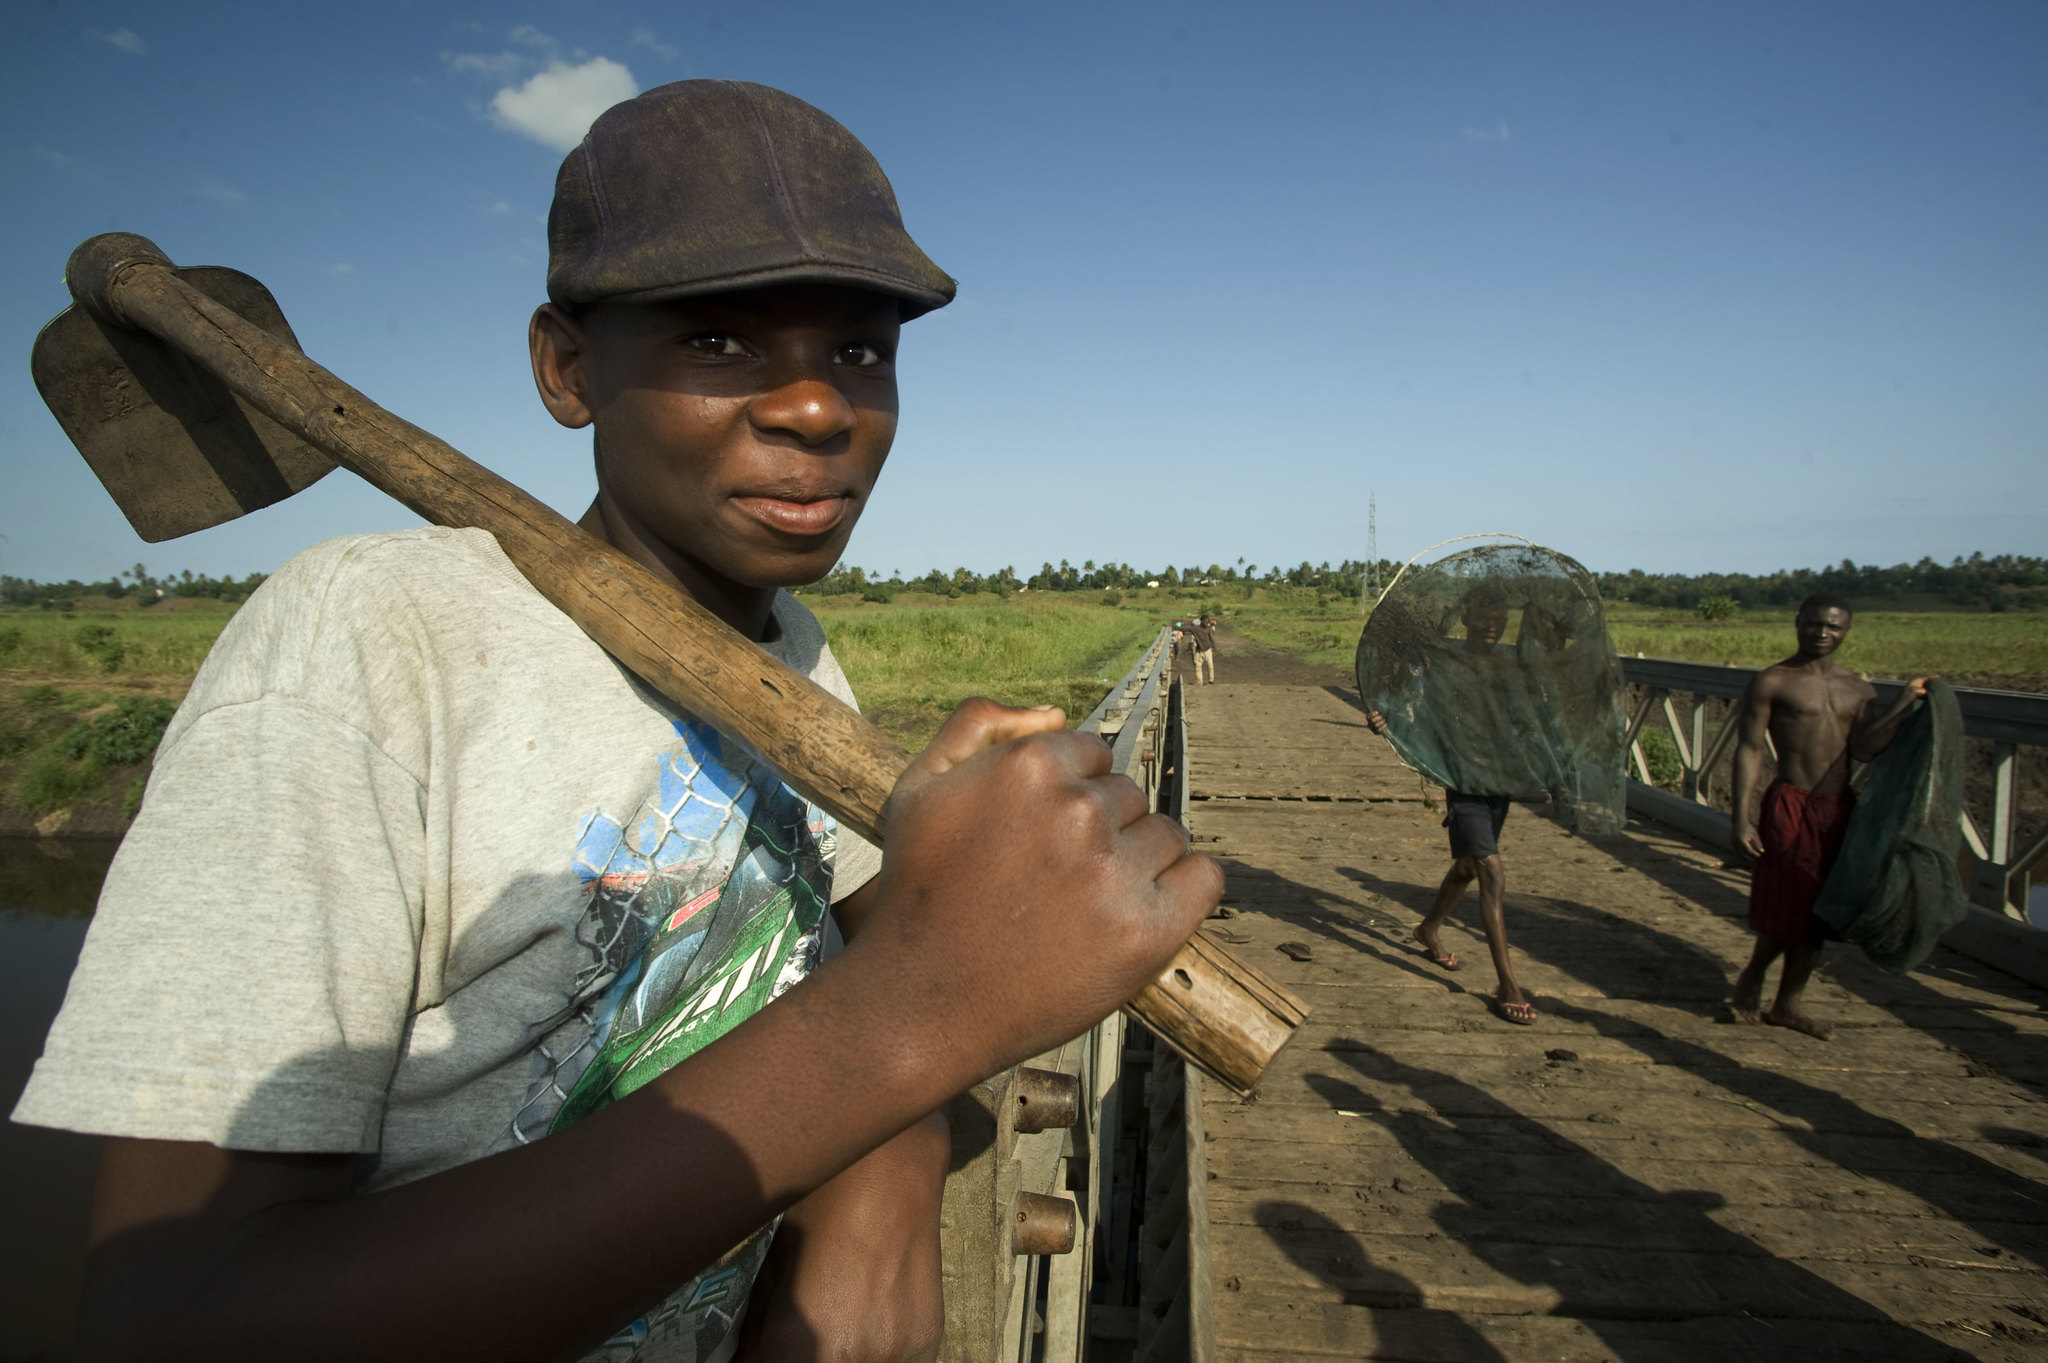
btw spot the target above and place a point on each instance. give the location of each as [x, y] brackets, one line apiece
[808, 408]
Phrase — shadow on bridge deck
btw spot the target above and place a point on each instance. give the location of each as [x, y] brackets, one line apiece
[1632, 1178]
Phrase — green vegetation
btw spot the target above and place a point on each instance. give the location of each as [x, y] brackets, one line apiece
[1346, 579]
[111, 639]
[2006, 650]
[1661, 753]
[2000, 582]
[88, 677]
[913, 660]
[134, 585]
[63, 746]
[85, 695]
[124, 735]
[1314, 626]
[74, 765]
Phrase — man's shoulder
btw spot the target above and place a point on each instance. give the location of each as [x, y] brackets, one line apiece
[431, 554]
[374, 607]
[422, 582]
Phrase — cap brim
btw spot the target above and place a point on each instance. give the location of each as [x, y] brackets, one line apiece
[915, 299]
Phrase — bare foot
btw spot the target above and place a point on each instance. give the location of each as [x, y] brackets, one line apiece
[1748, 1003]
[1433, 947]
[1520, 1012]
[1800, 1022]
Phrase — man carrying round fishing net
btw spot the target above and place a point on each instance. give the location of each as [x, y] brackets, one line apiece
[1474, 822]
[1818, 716]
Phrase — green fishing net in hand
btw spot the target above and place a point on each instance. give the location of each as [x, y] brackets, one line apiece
[1895, 888]
[1494, 673]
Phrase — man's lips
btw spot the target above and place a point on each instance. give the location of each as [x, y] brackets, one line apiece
[812, 516]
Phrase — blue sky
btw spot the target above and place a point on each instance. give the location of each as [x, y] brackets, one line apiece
[1674, 287]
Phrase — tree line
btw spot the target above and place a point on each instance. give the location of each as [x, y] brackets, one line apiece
[1346, 579]
[1984, 582]
[137, 582]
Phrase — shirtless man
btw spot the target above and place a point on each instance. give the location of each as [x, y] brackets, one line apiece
[1819, 717]
[1474, 822]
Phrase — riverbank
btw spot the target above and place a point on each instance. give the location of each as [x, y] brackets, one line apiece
[84, 696]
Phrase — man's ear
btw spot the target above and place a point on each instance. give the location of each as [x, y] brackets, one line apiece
[560, 348]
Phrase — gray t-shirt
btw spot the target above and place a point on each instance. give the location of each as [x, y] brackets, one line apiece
[422, 873]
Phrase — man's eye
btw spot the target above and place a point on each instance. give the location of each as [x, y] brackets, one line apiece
[715, 343]
[861, 353]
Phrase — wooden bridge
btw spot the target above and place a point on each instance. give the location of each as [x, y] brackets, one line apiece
[1633, 1177]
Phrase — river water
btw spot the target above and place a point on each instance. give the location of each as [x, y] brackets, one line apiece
[47, 890]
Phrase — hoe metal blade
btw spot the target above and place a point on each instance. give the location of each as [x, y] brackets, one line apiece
[177, 450]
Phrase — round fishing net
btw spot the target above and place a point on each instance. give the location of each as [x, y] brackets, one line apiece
[1895, 888]
[1493, 670]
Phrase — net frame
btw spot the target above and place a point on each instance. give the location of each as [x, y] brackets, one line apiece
[1579, 766]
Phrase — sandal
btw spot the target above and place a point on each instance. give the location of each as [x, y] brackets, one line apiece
[1521, 1014]
[1438, 957]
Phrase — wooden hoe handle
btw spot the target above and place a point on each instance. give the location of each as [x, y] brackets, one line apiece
[1219, 1012]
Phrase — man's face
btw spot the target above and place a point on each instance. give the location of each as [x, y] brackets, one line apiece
[1485, 624]
[1821, 630]
[743, 432]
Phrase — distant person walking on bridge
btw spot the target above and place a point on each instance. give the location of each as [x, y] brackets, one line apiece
[1475, 822]
[1203, 632]
[1818, 716]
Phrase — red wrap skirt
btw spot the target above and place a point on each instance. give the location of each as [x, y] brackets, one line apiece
[1801, 833]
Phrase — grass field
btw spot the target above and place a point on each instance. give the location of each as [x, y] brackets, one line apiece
[111, 639]
[2008, 651]
[83, 697]
[912, 660]
[65, 678]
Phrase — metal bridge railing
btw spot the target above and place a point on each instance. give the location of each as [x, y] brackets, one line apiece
[1044, 1230]
[2007, 721]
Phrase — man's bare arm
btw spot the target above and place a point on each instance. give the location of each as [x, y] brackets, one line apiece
[539, 1252]
[1753, 719]
[1874, 732]
[854, 1273]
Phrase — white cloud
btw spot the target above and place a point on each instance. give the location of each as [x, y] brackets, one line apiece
[339, 268]
[556, 107]
[214, 190]
[499, 209]
[528, 36]
[1497, 133]
[644, 37]
[122, 38]
[59, 159]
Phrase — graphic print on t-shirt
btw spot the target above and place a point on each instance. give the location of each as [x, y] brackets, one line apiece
[704, 905]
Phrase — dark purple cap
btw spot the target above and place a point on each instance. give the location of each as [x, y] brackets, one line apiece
[709, 185]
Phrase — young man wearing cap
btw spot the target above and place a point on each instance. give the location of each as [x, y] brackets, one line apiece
[425, 1001]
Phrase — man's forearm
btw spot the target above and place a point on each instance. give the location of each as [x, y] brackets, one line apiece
[855, 1272]
[1748, 765]
[540, 1251]
[1868, 741]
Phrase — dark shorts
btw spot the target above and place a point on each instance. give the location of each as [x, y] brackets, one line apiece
[1474, 821]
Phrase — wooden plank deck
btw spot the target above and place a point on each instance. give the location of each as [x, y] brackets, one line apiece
[1630, 1179]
